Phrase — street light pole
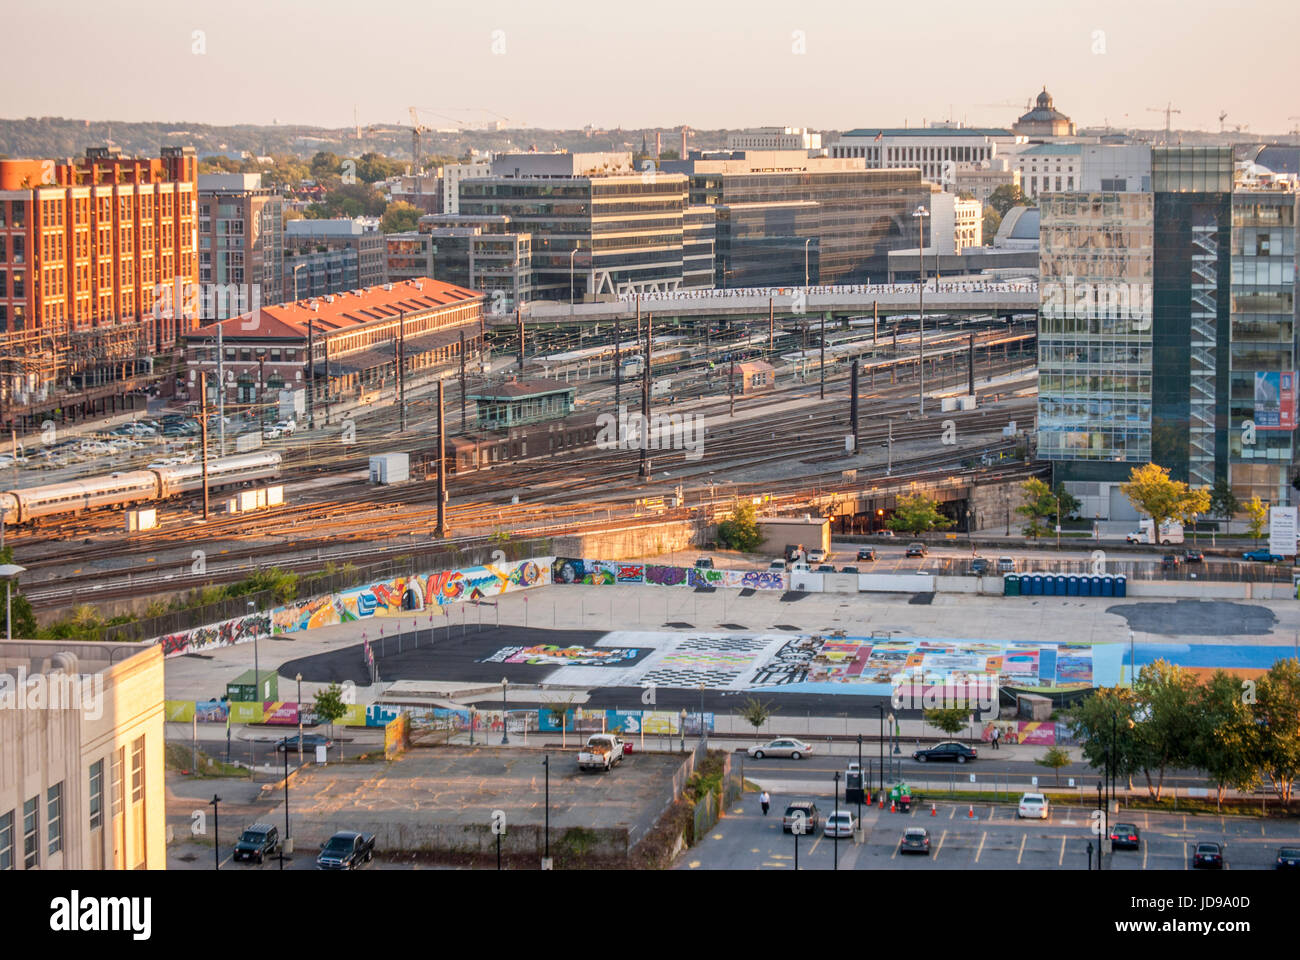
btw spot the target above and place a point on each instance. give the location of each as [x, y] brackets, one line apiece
[683, 730]
[860, 779]
[835, 810]
[546, 765]
[286, 804]
[505, 739]
[921, 213]
[299, 679]
[805, 260]
[216, 830]
[881, 707]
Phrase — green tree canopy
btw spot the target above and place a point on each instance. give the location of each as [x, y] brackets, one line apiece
[917, 514]
[1277, 714]
[1151, 492]
[1257, 516]
[951, 720]
[400, 217]
[1226, 737]
[1040, 503]
[1005, 197]
[740, 531]
[1223, 503]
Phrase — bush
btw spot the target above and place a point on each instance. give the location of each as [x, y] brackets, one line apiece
[740, 532]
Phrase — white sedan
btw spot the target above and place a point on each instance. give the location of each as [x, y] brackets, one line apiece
[1033, 806]
[782, 747]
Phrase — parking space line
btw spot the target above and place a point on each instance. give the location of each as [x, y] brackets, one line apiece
[992, 811]
[1060, 861]
[1184, 854]
[1023, 838]
[1145, 848]
[942, 838]
[815, 844]
[953, 813]
[983, 836]
[895, 853]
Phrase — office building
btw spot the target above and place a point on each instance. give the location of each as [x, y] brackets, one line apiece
[453, 174]
[786, 218]
[82, 764]
[1050, 168]
[1044, 120]
[341, 347]
[410, 255]
[774, 138]
[330, 256]
[597, 225]
[935, 151]
[87, 249]
[699, 246]
[481, 253]
[241, 243]
[982, 178]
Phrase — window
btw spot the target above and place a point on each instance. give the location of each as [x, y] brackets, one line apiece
[31, 844]
[54, 818]
[137, 770]
[7, 840]
[96, 794]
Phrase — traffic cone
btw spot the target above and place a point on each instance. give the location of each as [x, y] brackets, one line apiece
[971, 812]
[891, 807]
[882, 801]
[934, 812]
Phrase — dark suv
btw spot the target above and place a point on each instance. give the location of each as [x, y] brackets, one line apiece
[258, 842]
[979, 566]
[807, 809]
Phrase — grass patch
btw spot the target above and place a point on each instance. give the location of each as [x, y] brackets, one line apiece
[180, 759]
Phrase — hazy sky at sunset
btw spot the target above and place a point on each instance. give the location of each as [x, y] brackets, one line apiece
[641, 63]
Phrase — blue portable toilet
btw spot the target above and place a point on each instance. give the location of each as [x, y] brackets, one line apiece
[1107, 586]
[1062, 585]
[1072, 585]
[1035, 583]
[1121, 586]
[1049, 585]
[1094, 586]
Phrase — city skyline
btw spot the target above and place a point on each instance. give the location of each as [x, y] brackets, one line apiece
[1108, 63]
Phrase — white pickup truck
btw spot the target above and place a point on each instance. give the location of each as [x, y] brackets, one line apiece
[603, 751]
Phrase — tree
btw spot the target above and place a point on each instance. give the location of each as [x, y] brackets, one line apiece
[1223, 503]
[1104, 720]
[1040, 502]
[24, 619]
[1069, 503]
[1005, 197]
[917, 514]
[329, 706]
[400, 217]
[1054, 759]
[1277, 713]
[1226, 738]
[324, 164]
[756, 713]
[1257, 516]
[1166, 738]
[1196, 503]
[992, 220]
[951, 720]
[1151, 491]
[372, 167]
[740, 531]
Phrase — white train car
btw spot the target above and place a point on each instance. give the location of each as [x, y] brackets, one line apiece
[137, 486]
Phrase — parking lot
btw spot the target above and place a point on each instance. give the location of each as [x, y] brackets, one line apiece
[993, 839]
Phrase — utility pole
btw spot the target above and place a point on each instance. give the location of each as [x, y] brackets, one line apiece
[645, 401]
[731, 386]
[203, 427]
[519, 326]
[464, 427]
[875, 321]
[889, 465]
[771, 327]
[441, 531]
[853, 405]
[618, 363]
[399, 357]
[221, 389]
[823, 358]
[311, 372]
[327, 380]
[970, 367]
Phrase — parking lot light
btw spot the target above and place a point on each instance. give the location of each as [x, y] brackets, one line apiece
[504, 738]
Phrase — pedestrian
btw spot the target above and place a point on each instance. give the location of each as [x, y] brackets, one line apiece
[765, 801]
[997, 735]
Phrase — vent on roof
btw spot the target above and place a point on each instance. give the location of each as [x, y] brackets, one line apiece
[388, 286]
[419, 285]
[329, 299]
[315, 305]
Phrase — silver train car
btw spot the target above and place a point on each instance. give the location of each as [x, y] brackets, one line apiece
[137, 486]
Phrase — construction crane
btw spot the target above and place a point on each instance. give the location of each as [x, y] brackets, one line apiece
[444, 113]
[1223, 114]
[1016, 106]
[417, 128]
[1167, 110]
[1295, 131]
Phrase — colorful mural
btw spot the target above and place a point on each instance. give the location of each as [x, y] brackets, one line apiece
[224, 634]
[543, 653]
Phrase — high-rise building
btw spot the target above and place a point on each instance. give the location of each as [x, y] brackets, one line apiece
[241, 242]
[774, 138]
[935, 150]
[331, 256]
[597, 225]
[1168, 330]
[90, 254]
[784, 217]
[482, 253]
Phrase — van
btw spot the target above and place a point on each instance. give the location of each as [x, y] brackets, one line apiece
[1170, 532]
[793, 551]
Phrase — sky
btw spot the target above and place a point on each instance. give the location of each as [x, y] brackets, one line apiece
[823, 64]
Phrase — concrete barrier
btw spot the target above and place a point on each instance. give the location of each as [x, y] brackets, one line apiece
[896, 582]
[807, 582]
[840, 582]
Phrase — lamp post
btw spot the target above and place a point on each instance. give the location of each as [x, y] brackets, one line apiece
[683, 729]
[285, 838]
[1099, 839]
[505, 739]
[546, 857]
[881, 708]
[703, 738]
[216, 831]
[257, 676]
[805, 260]
[299, 679]
[472, 711]
[920, 213]
[10, 572]
[835, 810]
[261, 390]
[860, 778]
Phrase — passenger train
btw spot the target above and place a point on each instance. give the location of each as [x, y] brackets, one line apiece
[136, 486]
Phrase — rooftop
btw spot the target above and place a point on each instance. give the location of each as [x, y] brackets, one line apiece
[929, 132]
[516, 389]
[1053, 149]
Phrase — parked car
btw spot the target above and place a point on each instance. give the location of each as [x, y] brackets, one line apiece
[794, 551]
[310, 741]
[917, 549]
[287, 426]
[1208, 856]
[258, 842]
[826, 568]
[1262, 556]
[867, 553]
[886, 533]
[1006, 565]
[949, 750]
[1288, 858]
[816, 556]
[839, 824]
[603, 752]
[1193, 556]
[1033, 806]
[796, 809]
[346, 850]
[777, 566]
[704, 563]
[1125, 835]
[1169, 561]
[849, 570]
[915, 840]
[979, 566]
[782, 747]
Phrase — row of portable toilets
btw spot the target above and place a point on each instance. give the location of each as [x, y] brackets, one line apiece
[1063, 585]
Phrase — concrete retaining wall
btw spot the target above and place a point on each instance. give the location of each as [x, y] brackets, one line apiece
[651, 540]
[474, 839]
[895, 583]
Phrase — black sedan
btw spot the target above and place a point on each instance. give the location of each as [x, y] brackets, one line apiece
[915, 840]
[1193, 556]
[1126, 836]
[867, 553]
[1208, 856]
[1288, 858]
[310, 741]
[917, 549]
[951, 750]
